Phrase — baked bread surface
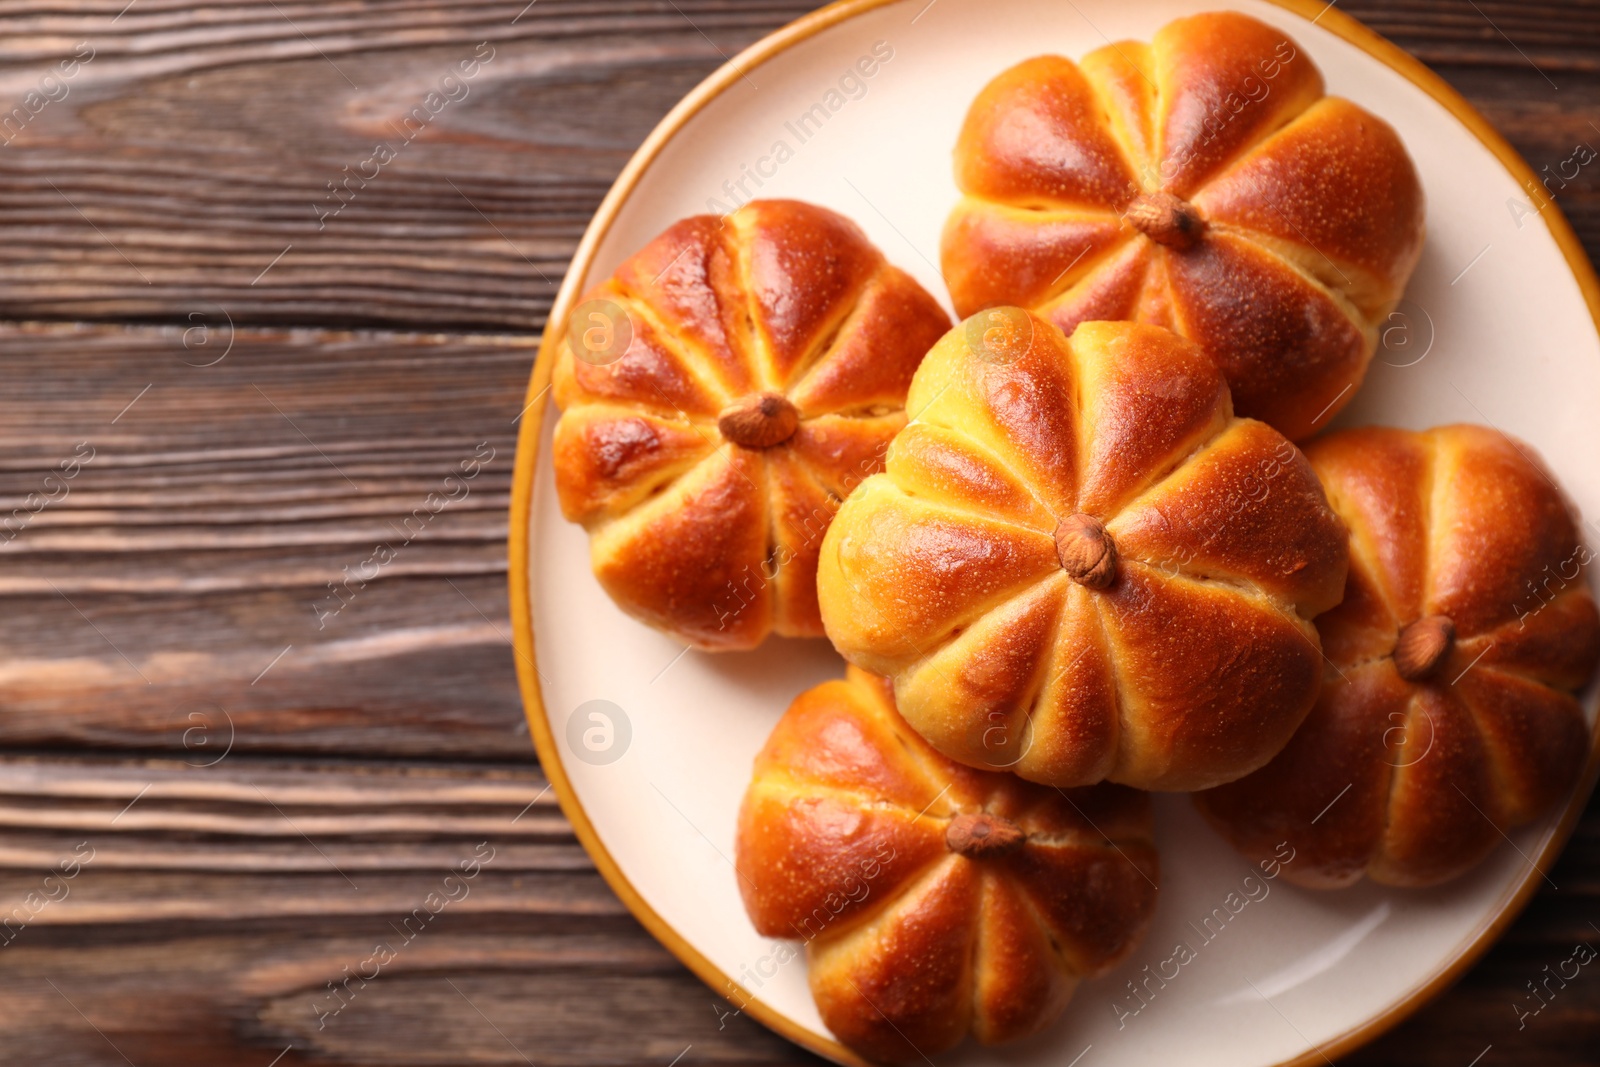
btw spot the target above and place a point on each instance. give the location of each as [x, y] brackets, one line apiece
[933, 900]
[766, 364]
[1447, 715]
[1079, 565]
[1201, 182]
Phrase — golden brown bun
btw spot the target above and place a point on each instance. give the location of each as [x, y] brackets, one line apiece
[934, 900]
[1303, 216]
[1186, 661]
[783, 304]
[1413, 782]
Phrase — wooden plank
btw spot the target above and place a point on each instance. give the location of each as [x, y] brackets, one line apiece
[179, 915]
[191, 153]
[1557, 36]
[196, 538]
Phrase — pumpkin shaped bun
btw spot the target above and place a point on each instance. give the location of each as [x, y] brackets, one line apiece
[720, 394]
[1201, 182]
[1447, 716]
[934, 900]
[1080, 565]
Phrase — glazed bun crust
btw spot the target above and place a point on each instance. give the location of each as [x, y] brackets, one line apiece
[699, 526]
[1303, 213]
[845, 843]
[1413, 781]
[1185, 661]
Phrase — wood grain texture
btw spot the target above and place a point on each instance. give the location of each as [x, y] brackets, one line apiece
[162, 609]
[198, 540]
[191, 151]
[216, 915]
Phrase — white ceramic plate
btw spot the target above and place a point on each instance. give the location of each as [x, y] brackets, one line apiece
[1496, 329]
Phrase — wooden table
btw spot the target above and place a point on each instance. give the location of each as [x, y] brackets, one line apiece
[250, 390]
